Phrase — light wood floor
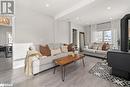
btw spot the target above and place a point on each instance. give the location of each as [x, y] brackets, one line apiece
[5, 64]
[76, 76]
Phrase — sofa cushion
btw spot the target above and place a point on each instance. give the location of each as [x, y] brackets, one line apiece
[47, 60]
[61, 54]
[64, 48]
[101, 52]
[51, 46]
[55, 51]
[91, 50]
[44, 50]
[90, 45]
[95, 46]
[50, 59]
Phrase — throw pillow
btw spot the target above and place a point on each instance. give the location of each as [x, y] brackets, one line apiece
[45, 50]
[71, 47]
[107, 46]
[55, 51]
[64, 48]
[104, 47]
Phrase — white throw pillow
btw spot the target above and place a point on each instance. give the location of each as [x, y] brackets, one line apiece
[64, 48]
[55, 51]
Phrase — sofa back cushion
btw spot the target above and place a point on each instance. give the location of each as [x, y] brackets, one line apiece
[55, 51]
[45, 50]
[95, 46]
[90, 45]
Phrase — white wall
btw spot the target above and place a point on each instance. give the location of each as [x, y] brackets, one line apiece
[33, 26]
[87, 34]
[61, 31]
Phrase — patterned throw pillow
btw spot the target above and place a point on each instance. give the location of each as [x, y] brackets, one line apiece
[71, 47]
[106, 46]
[45, 50]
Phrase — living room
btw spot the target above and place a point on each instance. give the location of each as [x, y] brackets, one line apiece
[93, 31]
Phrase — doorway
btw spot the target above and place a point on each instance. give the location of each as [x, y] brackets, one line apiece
[81, 41]
[75, 37]
[6, 43]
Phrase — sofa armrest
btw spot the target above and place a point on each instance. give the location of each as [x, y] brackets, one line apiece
[36, 66]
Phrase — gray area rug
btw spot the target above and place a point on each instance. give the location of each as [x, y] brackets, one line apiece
[102, 70]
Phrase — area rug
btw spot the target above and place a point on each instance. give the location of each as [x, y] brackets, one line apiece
[102, 70]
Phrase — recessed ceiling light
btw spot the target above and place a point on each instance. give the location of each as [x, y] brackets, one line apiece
[47, 5]
[108, 8]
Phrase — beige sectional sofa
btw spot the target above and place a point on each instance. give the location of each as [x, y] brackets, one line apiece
[45, 63]
[97, 49]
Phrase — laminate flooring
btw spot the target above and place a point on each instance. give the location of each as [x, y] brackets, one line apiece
[76, 76]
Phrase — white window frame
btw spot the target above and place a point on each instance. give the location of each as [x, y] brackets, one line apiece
[103, 38]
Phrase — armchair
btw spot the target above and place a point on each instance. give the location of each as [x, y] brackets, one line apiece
[120, 63]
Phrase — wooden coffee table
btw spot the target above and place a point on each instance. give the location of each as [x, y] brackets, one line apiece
[63, 61]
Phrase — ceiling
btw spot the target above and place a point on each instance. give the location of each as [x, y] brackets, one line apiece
[97, 12]
[83, 12]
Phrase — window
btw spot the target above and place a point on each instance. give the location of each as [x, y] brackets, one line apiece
[107, 36]
[104, 36]
[99, 34]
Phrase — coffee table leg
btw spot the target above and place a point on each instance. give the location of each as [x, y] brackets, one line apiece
[83, 62]
[63, 72]
[54, 70]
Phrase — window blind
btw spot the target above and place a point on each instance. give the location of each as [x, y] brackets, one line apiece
[103, 26]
